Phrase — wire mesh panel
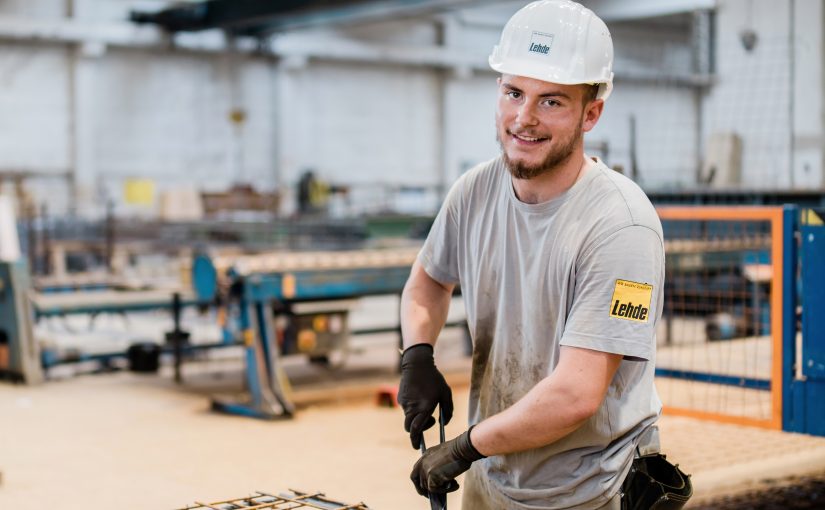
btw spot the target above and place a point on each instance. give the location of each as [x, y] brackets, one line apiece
[287, 501]
[719, 352]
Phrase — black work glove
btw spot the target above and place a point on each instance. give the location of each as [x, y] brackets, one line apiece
[437, 469]
[422, 388]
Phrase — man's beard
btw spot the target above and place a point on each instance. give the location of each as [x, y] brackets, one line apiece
[553, 159]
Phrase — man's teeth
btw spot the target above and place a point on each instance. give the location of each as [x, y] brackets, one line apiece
[528, 138]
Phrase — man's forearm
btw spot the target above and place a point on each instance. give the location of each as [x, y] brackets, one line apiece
[424, 307]
[541, 417]
[555, 407]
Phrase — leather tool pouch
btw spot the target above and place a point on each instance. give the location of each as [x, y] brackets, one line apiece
[653, 483]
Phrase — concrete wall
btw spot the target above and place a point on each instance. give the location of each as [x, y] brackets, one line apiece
[176, 121]
[368, 127]
[809, 93]
[752, 96]
[397, 132]
[34, 103]
[772, 95]
[666, 117]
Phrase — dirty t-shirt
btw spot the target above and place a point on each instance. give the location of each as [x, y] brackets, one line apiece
[585, 270]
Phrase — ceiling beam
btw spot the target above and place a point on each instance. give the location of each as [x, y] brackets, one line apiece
[626, 10]
[263, 17]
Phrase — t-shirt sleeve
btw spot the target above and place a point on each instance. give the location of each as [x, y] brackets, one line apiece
[618, 294]
[439, 255]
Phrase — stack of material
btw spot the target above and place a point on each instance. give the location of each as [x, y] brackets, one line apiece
[183, 204]
[239, 198]
[308, 261]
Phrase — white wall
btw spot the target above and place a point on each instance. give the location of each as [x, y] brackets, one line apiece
[752, 95]
[359, 125]
[34, 108]
[470, 132]
[809, 93]
[39, 9]
[666, 116]
[167, 116]
[113, 113]
[665, 134]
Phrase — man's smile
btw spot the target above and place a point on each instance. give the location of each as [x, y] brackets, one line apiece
[524, 139]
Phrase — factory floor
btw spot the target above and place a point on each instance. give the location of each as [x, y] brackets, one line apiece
[124, 440]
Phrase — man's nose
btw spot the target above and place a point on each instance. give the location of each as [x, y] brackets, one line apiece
[526, 115]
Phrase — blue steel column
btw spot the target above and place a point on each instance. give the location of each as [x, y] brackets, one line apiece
[252, 377]
[276, 382]
[264, 335]
[792, 408]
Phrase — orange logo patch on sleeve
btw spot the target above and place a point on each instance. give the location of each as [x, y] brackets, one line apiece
[631, 301]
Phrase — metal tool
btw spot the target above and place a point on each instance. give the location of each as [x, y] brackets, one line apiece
[438, 501]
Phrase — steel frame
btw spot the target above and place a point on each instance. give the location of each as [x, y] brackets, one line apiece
[780, 233]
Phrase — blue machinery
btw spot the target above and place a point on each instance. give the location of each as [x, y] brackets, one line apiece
[252, 291]
[258, 286]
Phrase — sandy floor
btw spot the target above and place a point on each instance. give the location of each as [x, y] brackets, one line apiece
[128, 441]
[122, 441]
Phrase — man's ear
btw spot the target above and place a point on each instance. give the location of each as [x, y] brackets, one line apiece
[592, 112]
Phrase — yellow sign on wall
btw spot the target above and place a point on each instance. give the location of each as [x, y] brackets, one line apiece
[139, 191]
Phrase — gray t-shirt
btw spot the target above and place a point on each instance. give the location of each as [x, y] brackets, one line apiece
[585, 269]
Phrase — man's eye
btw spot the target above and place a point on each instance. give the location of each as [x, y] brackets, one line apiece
[551, 102]
[513, 94]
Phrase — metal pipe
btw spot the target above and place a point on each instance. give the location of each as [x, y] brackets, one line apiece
[791, 90]
[45, 235]
[109, 235]
[702, 49]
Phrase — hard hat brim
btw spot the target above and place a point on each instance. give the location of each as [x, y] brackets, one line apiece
[552, 75]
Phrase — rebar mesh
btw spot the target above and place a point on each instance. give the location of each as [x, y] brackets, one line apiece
[286, 501]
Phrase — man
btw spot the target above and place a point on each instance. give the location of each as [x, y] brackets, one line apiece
[561, 266]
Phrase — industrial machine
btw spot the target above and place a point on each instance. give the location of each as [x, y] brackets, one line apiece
[292, 303]
[273, 304]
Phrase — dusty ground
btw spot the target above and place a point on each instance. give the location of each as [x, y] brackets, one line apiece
[127, 441]
[795, 493]
[122, 440]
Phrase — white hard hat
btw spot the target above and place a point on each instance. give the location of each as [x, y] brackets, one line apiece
[558, 41]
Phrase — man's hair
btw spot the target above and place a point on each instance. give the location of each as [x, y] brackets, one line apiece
[590, 92]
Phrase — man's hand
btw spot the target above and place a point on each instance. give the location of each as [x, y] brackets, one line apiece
[422, 388]
[437, 469]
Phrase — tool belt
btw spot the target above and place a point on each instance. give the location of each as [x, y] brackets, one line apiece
[653, 483]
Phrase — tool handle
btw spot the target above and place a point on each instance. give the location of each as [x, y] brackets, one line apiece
[437, 501]
[441, 424]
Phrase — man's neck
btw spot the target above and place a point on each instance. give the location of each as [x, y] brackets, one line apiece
[549, 185]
